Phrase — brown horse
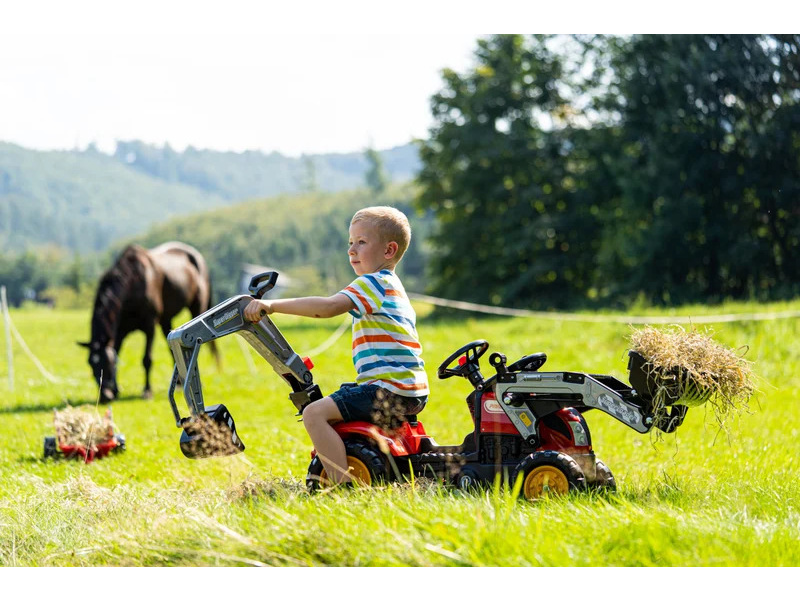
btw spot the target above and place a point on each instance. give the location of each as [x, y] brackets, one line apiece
[144, 288]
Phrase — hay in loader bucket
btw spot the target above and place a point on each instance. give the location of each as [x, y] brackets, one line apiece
[689, 368]
[78, 428]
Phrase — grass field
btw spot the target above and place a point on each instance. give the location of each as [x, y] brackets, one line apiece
[704, 496]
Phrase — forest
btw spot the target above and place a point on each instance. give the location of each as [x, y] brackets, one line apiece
[560, 172]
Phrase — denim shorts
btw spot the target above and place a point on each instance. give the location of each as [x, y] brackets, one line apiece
[376, 405]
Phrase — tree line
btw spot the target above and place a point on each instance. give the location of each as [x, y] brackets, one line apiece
[601, 170]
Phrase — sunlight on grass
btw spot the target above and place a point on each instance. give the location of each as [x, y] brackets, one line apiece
[701, 496]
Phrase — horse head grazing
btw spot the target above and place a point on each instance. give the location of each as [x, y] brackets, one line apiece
[120, 286]
[143, 288]
[103, 361]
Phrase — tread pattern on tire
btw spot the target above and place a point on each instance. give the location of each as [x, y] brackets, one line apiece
[564, 462]
[372, 458]
[604, 479]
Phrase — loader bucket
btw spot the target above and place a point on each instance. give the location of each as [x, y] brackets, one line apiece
[210, 434]
[667, 387]
[662, 392]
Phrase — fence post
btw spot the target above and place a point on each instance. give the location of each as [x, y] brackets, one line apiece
[7, 323]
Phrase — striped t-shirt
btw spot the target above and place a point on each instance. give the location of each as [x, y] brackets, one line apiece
[386, 348]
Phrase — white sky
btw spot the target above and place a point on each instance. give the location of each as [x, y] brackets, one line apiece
[321, 76]
[69, 78]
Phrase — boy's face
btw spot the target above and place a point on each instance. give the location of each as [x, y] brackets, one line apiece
[368, 254]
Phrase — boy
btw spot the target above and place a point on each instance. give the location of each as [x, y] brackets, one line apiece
[391, 377]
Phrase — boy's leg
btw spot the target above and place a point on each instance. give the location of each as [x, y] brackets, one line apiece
[318, 418]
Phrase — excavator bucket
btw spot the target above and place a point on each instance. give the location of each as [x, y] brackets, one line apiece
[210, 434]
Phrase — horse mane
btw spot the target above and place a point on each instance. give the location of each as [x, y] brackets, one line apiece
[115, 286]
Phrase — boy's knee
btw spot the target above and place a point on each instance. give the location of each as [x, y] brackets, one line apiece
[322, 411]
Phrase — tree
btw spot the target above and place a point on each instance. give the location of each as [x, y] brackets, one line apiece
[563, 171]
[310, 184]
[500, 173]
[708, 165]
[376, 174]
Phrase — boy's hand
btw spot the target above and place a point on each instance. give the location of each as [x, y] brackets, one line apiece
[257, 309]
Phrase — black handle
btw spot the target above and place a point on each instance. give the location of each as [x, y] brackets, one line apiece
[262, 283]
[498, 361]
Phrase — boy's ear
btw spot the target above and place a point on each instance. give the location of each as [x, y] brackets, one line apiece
[391, 250]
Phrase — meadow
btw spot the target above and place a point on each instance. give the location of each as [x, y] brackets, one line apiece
[704, 496]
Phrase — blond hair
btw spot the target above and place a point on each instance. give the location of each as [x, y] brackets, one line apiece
[391, 225]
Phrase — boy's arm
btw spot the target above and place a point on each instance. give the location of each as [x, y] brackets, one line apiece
[310, 306]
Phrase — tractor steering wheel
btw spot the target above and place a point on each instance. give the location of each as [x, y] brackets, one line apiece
[471, 353]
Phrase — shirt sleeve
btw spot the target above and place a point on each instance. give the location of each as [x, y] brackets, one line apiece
[367, 293]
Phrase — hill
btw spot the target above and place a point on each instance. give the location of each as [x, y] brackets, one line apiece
[237, 176]
[304, 236]
[85, 200]
[82, 201]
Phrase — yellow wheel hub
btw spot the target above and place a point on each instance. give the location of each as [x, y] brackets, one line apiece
[544, 480]
[359, 473]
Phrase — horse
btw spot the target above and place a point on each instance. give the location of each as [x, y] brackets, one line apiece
[144, 288]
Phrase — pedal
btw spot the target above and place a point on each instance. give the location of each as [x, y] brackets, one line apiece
[210, 434]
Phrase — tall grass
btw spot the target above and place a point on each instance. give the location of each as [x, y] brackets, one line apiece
[703, 496]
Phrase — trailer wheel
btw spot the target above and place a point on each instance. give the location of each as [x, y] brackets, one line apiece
[50, 447]
[548, 473]
[367, 466]
[604, 480]
[467, 480]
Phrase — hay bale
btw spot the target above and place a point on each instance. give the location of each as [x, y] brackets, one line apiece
[75, 427]
[693, 367]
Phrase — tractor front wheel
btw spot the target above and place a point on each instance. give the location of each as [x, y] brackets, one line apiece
[366, 464]
[548, 473]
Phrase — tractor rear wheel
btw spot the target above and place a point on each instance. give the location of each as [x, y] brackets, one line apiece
[548, 473]
[366, 464]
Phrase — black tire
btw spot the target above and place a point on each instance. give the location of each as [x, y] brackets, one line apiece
[368, 466]
[50, 447]
[604, 480]
[548, 473]
[120, 439]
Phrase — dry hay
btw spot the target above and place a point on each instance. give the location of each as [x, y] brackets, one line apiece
[209, 437]
[75, 427]
[251, 489]
[693, 367]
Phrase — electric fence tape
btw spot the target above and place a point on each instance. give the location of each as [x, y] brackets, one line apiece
[602, 318]
[45, 373]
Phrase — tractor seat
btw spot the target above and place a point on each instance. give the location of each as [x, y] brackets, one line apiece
[529, 362]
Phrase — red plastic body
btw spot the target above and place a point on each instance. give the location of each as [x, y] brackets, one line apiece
[493, 418]
[89, 454]
[406, 440]
[400, 442]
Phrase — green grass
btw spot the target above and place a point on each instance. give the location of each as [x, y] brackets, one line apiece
[700, 497]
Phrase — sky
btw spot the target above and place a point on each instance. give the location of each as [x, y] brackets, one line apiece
[242, 84]
[310, 77]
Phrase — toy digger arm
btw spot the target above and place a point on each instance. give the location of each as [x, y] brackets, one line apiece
[224, 319]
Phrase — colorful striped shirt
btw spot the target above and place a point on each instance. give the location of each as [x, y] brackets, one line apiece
[386, 348]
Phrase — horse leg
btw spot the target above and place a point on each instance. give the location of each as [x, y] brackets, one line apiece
[147, 360]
